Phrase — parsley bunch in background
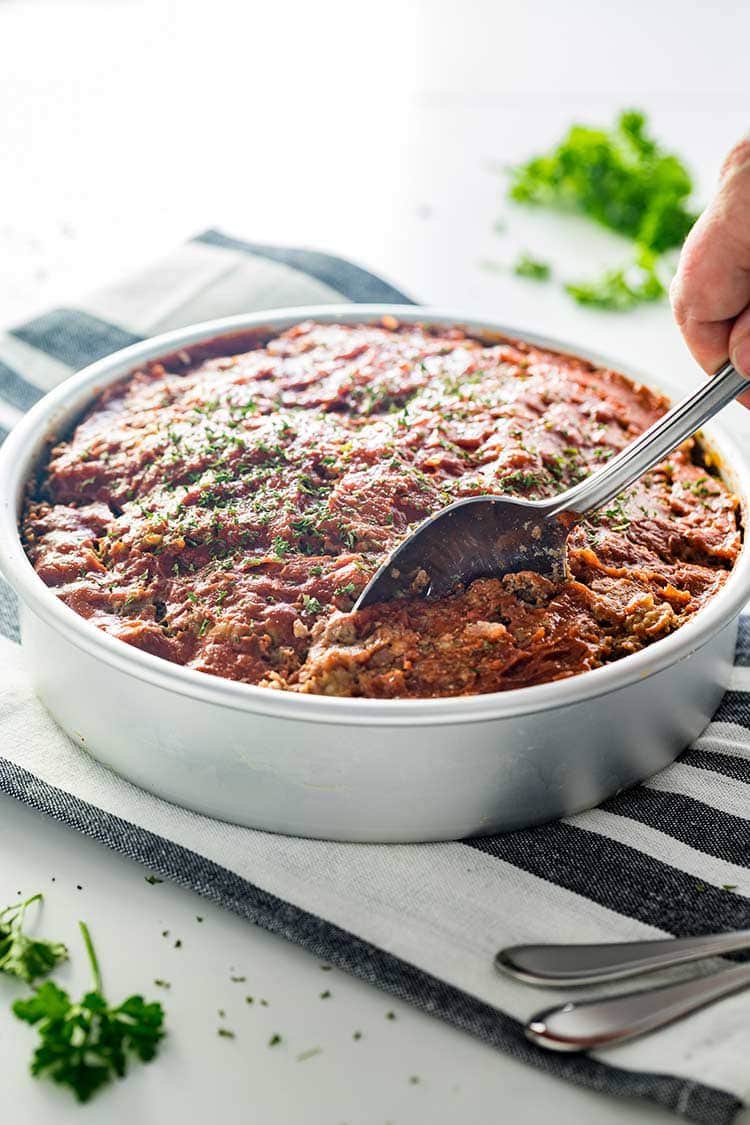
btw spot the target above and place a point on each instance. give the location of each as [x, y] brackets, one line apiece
[623, 179]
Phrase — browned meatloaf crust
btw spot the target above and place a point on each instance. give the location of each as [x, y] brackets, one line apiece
[223, 511]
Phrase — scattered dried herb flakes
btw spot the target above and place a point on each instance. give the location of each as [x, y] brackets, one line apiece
[729, 886]
[414, 1079]
[152, 880]
[274, 1040]
[326, 994]
[326, 968]
[178, 944]
[225, 1033]
[238, 980]
[310, 1053]
[198, 918]
[249, 999]
[700, 887]
[357, 1035]
[162, 983]
[390, 1015]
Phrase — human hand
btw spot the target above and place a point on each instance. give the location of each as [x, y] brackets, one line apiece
[710, 293]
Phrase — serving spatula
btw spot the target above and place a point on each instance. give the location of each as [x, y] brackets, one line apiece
[495, 535]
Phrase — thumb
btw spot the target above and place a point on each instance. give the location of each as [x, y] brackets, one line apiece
[739, 349]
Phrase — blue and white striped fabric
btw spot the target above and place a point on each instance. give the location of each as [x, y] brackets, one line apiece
[423, 922]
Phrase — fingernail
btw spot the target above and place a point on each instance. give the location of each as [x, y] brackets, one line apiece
[741, 356]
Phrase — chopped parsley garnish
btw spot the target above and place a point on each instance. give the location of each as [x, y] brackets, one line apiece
[311, 605]
[617, 515]
[520, 481]
[21, 956]
[280, 546]
[84, 1045]
[307, 485]
[699, 489]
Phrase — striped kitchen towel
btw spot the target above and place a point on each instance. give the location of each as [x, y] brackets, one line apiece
[422, 922]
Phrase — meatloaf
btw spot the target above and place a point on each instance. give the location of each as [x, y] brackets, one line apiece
[222, 508]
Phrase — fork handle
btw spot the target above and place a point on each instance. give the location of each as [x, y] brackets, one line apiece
[655, 443]
[559, 966]
[614, 1019]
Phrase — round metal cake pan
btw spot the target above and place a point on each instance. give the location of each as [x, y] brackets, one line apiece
[354, 769]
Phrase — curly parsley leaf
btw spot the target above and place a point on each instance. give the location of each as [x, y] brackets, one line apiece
[532, 268]
[85, 1044]
[20, 955]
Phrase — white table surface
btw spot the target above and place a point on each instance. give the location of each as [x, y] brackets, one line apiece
[374, 131]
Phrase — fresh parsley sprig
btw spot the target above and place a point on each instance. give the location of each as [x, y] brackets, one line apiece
[83, 1045]
[22, 956]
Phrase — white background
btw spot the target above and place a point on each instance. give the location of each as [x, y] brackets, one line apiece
[377, 131]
